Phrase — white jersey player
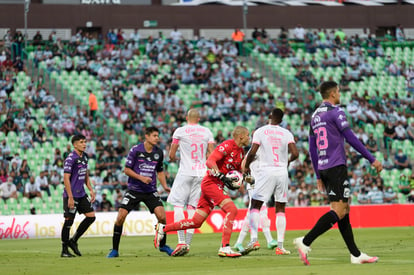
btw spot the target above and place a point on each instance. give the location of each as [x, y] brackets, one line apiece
[195, 143]
[264, 219]
[272, 144]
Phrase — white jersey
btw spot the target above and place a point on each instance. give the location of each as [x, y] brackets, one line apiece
[193, 140]
[273, 143]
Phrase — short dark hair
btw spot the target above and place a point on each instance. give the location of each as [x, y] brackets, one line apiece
[78, 137]
[326, 87]
[276, 114]
[150, 130]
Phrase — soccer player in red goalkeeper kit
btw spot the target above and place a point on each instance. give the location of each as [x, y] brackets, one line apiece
[226, 157]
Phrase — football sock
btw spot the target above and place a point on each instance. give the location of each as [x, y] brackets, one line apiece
[265, 223]
[163, 240]
[178, 216]
[346, 231]
[84, 225]
[116, 238]
[281, 228]
[254, 223]
[322, 225]
[195, 222]
[190, 232]
[66, 231]
[244, 230]
[231, 213]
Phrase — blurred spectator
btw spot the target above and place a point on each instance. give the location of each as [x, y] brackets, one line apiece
[43, 182]
[238, 37]
[404, 184]
[390, 196]
[301, 200]
[47, 166]
[105, 205]
[109, 181]
[399, 33]
[176, 35]
[299, 33]
[293, 194]
[363, 197]
[26, 140]
[55, 179]
[5, 149]
[400, 132]
[401, 160]
[32, 189]
[9, 125]
[389, 134]
[93, 104]
[387, 163]
[375, 195]
[256, 35]
[8, 189]
[371, 143]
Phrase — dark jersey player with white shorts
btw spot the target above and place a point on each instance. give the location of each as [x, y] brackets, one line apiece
[143, 166]
[328, 130]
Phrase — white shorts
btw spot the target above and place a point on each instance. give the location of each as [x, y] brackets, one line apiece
[271, 182]
[186, 190]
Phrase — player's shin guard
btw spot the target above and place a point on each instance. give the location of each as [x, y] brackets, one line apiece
[66, 231]
[116, 238]
[84, 225]
[281, 228]
[190, 232]
[322, 225]
[346, 231]
[178, 216]
[254, 223]
[231, 212]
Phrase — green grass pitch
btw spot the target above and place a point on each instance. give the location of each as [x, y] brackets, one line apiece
[394, 246]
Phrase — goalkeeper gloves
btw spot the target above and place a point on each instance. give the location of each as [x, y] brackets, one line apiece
[228, 182]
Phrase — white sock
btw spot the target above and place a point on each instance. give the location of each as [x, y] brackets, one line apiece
[245, 229]
[190, 232]
[178, 216]
[265, 223]
[281, 228]
[254, 223]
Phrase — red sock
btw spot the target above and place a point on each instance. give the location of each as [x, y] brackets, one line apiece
[231, 213]
[195, 222]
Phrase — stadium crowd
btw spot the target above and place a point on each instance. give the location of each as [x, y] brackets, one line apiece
[224, 88]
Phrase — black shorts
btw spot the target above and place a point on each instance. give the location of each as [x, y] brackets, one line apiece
[82, 205]
[336, 183]
[132, 199]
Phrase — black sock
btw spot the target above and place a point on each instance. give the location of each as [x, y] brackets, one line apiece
[84, 225]
[322, 225]
[66, 231]
[163, 240]
[346, 232]
[116, 238]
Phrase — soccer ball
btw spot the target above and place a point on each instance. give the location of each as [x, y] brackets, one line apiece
[238, 176]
